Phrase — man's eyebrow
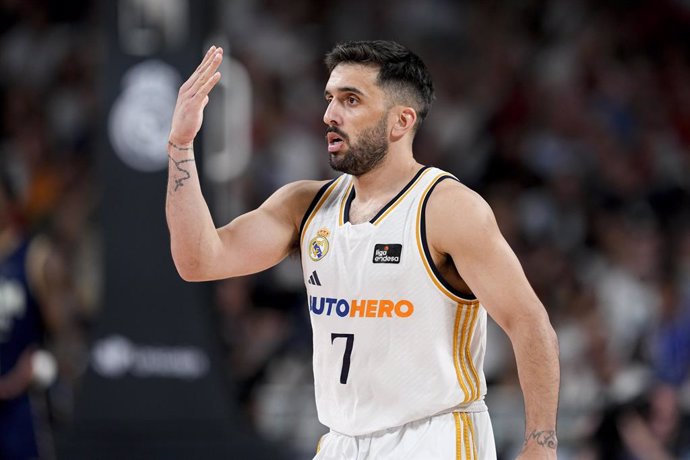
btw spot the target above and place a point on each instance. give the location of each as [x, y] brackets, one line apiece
[344, 89]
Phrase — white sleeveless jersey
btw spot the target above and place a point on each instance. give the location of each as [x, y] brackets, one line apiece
[393, 341]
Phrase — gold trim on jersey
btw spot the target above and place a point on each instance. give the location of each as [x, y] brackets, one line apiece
[462, 353]
[460, 370]
[420, 247]
[466, 315]
[318, 444]
[341, 217]
[322, 200]
[402, 197]
[466, 372]
[468, 353]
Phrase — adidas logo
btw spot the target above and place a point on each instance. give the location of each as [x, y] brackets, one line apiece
[314, 279]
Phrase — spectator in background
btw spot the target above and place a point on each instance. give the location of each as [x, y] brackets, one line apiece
[670, 342]
[649, 426]
[23, 325]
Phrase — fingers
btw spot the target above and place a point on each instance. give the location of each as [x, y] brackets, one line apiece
[208, 71]
[203, 65]
[192, 78]
[207, 87]
[206, 56]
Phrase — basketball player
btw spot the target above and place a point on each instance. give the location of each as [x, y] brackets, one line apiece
[401, 262]
[22, 330]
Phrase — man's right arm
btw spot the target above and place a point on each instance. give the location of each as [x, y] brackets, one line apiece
[250, 243]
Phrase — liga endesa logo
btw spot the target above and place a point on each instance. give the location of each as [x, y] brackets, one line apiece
[387, 253]
[362, 308]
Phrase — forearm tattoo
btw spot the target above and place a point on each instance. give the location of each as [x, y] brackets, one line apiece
[186, 175]
[179, 147]
[545, 438]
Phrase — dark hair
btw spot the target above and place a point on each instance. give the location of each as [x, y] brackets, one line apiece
[401, 71]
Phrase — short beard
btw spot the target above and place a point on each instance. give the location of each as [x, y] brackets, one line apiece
[370, 149]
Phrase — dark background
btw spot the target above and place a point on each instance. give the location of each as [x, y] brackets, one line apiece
[572, 118]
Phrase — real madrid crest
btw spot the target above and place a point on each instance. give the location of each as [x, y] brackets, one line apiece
[318, 246]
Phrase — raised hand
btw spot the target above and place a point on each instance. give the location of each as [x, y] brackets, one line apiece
[193, 97]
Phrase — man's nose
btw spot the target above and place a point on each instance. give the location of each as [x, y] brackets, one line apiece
[331, 116]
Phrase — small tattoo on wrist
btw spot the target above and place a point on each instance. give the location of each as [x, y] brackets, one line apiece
[546, 438]
[180, 180]
[179, 147]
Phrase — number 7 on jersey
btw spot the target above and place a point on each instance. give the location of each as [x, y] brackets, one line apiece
[349, 343]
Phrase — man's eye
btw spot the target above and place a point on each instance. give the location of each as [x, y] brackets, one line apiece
[352, 100]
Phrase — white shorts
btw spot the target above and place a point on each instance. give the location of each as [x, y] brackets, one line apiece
[452, 436]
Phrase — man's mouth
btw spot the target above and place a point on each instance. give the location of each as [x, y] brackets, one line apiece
[335, 142]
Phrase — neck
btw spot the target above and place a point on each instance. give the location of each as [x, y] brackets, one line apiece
[387, 177]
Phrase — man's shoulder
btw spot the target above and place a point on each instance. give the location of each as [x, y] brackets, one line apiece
[452, 197]
[295, 198]
[457, 215]
[302, 191]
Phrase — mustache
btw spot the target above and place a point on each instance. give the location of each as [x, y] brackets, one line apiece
[335, 129]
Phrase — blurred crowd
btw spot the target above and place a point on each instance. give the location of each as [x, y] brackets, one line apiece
[572, 118]
[48, 108]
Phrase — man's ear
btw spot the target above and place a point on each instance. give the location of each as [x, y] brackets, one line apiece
[404, 122]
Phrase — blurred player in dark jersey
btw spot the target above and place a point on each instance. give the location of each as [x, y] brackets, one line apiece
[23, 363]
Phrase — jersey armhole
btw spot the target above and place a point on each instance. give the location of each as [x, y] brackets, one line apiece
[313, 204]
[436, 275]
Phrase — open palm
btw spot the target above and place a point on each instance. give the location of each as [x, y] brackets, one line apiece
[193, 97]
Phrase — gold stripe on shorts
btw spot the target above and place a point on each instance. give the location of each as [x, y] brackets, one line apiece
[465, 437]
[458, 436]
[473, 435]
